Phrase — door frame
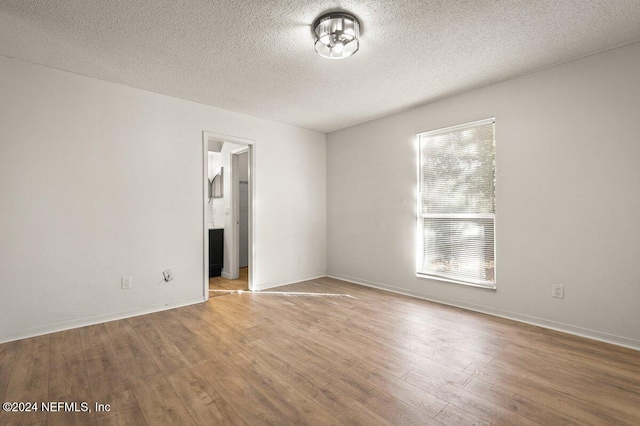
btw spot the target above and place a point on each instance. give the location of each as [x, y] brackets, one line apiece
[249, 146]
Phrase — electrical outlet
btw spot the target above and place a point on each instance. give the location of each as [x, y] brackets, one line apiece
[299, 259]
[125, 283]
[168, 275]
[557, 291]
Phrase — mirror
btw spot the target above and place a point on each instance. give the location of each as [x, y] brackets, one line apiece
[216, 185]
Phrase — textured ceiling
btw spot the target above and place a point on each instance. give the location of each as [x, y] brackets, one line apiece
[257, 56]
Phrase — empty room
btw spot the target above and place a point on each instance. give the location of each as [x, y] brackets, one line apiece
[319, 212]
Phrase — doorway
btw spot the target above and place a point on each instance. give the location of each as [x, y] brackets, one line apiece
[228, 214]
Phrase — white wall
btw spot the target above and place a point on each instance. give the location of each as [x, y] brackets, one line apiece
[100, 181]
[215, 215]
[568, 197]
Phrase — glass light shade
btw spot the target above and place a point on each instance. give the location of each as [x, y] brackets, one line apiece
[337, 35]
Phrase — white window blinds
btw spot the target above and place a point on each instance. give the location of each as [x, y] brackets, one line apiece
[457, 204]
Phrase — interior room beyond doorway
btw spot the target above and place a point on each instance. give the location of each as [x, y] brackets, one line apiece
[227, 217]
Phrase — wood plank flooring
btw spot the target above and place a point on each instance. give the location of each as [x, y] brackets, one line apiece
[344, 354]
[221, 286]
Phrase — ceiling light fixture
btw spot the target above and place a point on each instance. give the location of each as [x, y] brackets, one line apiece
[337, 35]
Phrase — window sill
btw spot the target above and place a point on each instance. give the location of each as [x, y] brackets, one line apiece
[449, 280]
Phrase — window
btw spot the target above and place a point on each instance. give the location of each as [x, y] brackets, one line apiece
[456, 204]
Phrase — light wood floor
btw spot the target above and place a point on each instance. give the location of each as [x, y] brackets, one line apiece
[220, 286]
[374, 358]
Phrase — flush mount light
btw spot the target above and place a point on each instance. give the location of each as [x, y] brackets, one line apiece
[337, 35]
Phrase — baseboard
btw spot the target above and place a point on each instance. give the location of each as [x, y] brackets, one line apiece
[226, 275]
[280, 284]
[97, 319]
[540, 322]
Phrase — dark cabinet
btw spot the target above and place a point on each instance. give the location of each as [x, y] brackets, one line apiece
[216, 252]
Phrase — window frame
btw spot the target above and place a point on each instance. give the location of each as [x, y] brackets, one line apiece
[420, 234]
